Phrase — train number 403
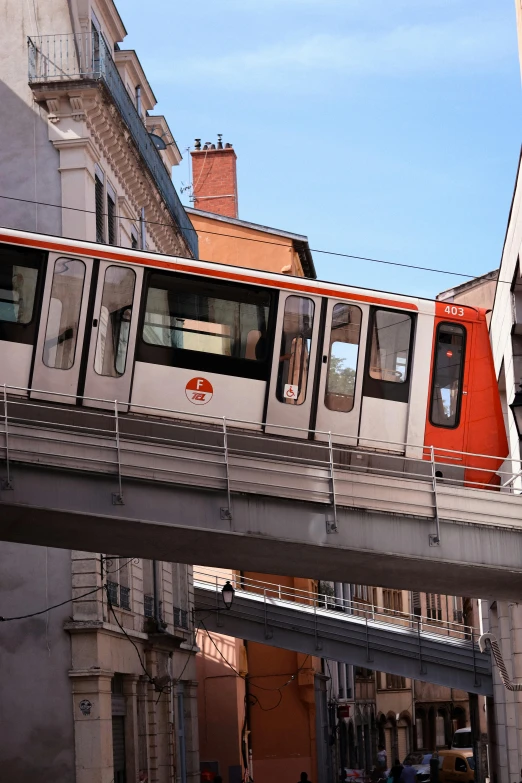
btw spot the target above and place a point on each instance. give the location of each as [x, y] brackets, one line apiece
[452, 310]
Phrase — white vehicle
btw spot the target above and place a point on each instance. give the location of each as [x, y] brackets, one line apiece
[462, 739]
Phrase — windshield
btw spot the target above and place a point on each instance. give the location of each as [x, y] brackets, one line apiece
[462, 739]
[413, 758]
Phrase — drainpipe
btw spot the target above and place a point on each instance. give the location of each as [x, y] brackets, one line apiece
[138, 100]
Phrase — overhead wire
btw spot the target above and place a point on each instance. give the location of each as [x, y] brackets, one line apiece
[248, 678]
[63, 603]
[253, 239]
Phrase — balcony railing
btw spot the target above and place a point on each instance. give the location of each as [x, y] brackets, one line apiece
[86, 56]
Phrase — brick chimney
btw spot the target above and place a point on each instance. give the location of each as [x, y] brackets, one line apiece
[214, 178]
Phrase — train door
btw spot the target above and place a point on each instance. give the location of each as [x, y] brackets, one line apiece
[291, 389]
[77, 342]
[62, 328]
[111, 348]
[342, 371]
[387, 379]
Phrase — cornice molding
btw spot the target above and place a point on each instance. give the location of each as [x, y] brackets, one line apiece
[90, 108]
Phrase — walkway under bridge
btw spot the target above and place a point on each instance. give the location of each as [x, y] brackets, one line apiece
[149, 483]
[443, 653]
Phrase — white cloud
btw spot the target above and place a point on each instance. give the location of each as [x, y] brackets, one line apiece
[471, 43]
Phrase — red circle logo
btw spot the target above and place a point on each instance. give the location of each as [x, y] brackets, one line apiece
[199, 391]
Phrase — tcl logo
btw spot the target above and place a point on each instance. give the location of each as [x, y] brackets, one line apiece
[199, 391]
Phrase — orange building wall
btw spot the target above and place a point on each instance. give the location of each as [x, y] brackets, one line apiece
[282, 722]
[221, 701]
[226, 243]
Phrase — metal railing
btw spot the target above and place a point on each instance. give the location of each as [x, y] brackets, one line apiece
[234, 455]
[86, 56]
[308, 601]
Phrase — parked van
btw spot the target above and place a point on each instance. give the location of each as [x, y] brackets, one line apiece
[456, 766]
[462, 739]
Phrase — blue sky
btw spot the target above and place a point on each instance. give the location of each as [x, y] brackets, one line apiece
[378, 128]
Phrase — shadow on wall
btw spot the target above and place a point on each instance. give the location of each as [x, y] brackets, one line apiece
[28, 167]
[36, 706]
[35, 654]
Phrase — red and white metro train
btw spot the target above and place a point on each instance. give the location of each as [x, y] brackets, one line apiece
[283, 354]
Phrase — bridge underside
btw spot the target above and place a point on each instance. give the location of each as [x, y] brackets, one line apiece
[79, 510]
[337, 636]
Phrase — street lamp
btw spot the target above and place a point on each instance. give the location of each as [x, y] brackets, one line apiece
[228, 595]
[516, 410]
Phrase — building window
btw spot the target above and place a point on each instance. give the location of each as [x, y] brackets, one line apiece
[112, 592]
[447, 375]
[296, 345]
[395, 682]
[440, 739]
[419, 732]
[64, 313]
[100, 217]
[363, 674]
[433, 606]
[342, 359]
[416, 604]
[392, 601]
[118, 581]
[390, 346]
[134, 238]
[364, 594]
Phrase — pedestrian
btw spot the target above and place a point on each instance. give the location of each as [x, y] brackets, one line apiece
[304, 778]
[395, 772]
[409, 773]
[382, 757]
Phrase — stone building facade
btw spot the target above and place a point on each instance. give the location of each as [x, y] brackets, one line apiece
[102, 688]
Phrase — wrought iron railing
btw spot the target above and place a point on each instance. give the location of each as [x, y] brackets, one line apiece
[86, 56]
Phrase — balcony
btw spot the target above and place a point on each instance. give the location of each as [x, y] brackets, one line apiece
[73, 58]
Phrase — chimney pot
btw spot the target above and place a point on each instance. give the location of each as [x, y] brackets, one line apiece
[197, 144]
[228, 146]
[220, 141]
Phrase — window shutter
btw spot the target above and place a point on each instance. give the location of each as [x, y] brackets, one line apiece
[111, 218]
[98, 192]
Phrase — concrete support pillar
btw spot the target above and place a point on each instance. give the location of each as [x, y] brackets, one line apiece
[77, 161]
[92, 710]
[504, 620]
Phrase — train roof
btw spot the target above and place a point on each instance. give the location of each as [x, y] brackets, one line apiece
[235, 274]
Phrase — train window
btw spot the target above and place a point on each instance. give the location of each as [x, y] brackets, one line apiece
[342, 361]
[202, 316]
[64, 313]
[114, 321]
[298, 321]
[447, 375]
[390, 346]
[17, 290]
